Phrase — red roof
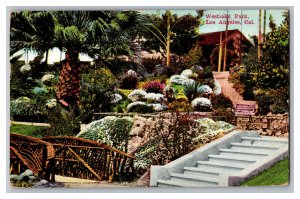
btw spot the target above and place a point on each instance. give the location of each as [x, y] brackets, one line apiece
[213, 38]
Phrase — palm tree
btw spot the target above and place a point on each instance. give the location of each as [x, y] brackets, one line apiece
[32, 30]
[96, 33]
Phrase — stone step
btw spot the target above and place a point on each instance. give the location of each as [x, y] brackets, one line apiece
[251, 146]
[223, 167]
[253, 149]
[255, 157]
[172, 183]
[232, 160]
[201, 172]
[239, 152]
[262, 144]
[183, 177]
[220, 164]
[265, 139]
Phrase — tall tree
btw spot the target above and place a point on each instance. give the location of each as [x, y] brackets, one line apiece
[169, 32]
[74, 32]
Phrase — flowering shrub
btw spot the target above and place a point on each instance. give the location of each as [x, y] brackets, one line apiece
[47, 79]
[25, 69]
[178, 79]
[137, 95]
[180, 106]
[116, 98]
[217, 87]
[180, 96]
[154, 97]
[158, 107]
[132, 73]
[110, 130]
[166, 138]
[51, 103]
[139, 107]
[204, 90]
[209, 129]
[22, 109]
[187, 73]
[201, 104]
[154, 87]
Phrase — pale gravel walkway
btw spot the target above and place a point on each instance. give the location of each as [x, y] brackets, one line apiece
[83, 183]
[228, 90]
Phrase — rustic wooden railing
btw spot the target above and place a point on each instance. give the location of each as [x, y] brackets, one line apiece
[87, 159]
[30, 153]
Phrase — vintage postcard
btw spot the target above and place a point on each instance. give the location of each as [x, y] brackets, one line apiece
[149, 98]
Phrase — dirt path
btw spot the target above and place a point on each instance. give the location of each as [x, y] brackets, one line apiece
[83, 183]
[228, 90]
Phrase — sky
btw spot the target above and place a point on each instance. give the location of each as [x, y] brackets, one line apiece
[247, 29]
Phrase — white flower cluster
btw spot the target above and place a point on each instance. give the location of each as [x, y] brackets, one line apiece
[137, 95]
[132, 73]
[187, 73]
[134, 104]
[51, 103]
[25, 69]
[205, 90]
[180, 79]
[158, 107]
[209, 128]
[110, 130]
[217, 88]
[116, 98]
[201, 102]
[47, 79]
[154, 97]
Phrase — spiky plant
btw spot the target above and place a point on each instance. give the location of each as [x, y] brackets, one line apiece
[190, 90]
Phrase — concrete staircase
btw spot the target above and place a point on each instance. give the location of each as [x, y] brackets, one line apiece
[225, 163]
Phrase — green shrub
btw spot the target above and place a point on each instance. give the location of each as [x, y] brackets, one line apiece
[206, 73]
[195, 57]
[221, 102]
[264, 102]
[150, 63]
[121, 106]
[140, 107]
[129, 81]
[63, 121]
[23, 109]
[95, 94]
[191, 90]
[110, 130]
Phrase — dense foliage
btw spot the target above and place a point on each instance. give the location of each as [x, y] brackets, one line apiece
[267, 80]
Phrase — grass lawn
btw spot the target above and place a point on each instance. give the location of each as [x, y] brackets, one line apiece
[278, 174]
[29, 130]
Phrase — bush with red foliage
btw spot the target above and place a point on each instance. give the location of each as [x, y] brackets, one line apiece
[154, 87]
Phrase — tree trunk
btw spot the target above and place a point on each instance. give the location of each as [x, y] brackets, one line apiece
[265, 26]
[168, 12]
[68, 86]
[47, 55]
[225, 46]
[259, 38]
[220, 53]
